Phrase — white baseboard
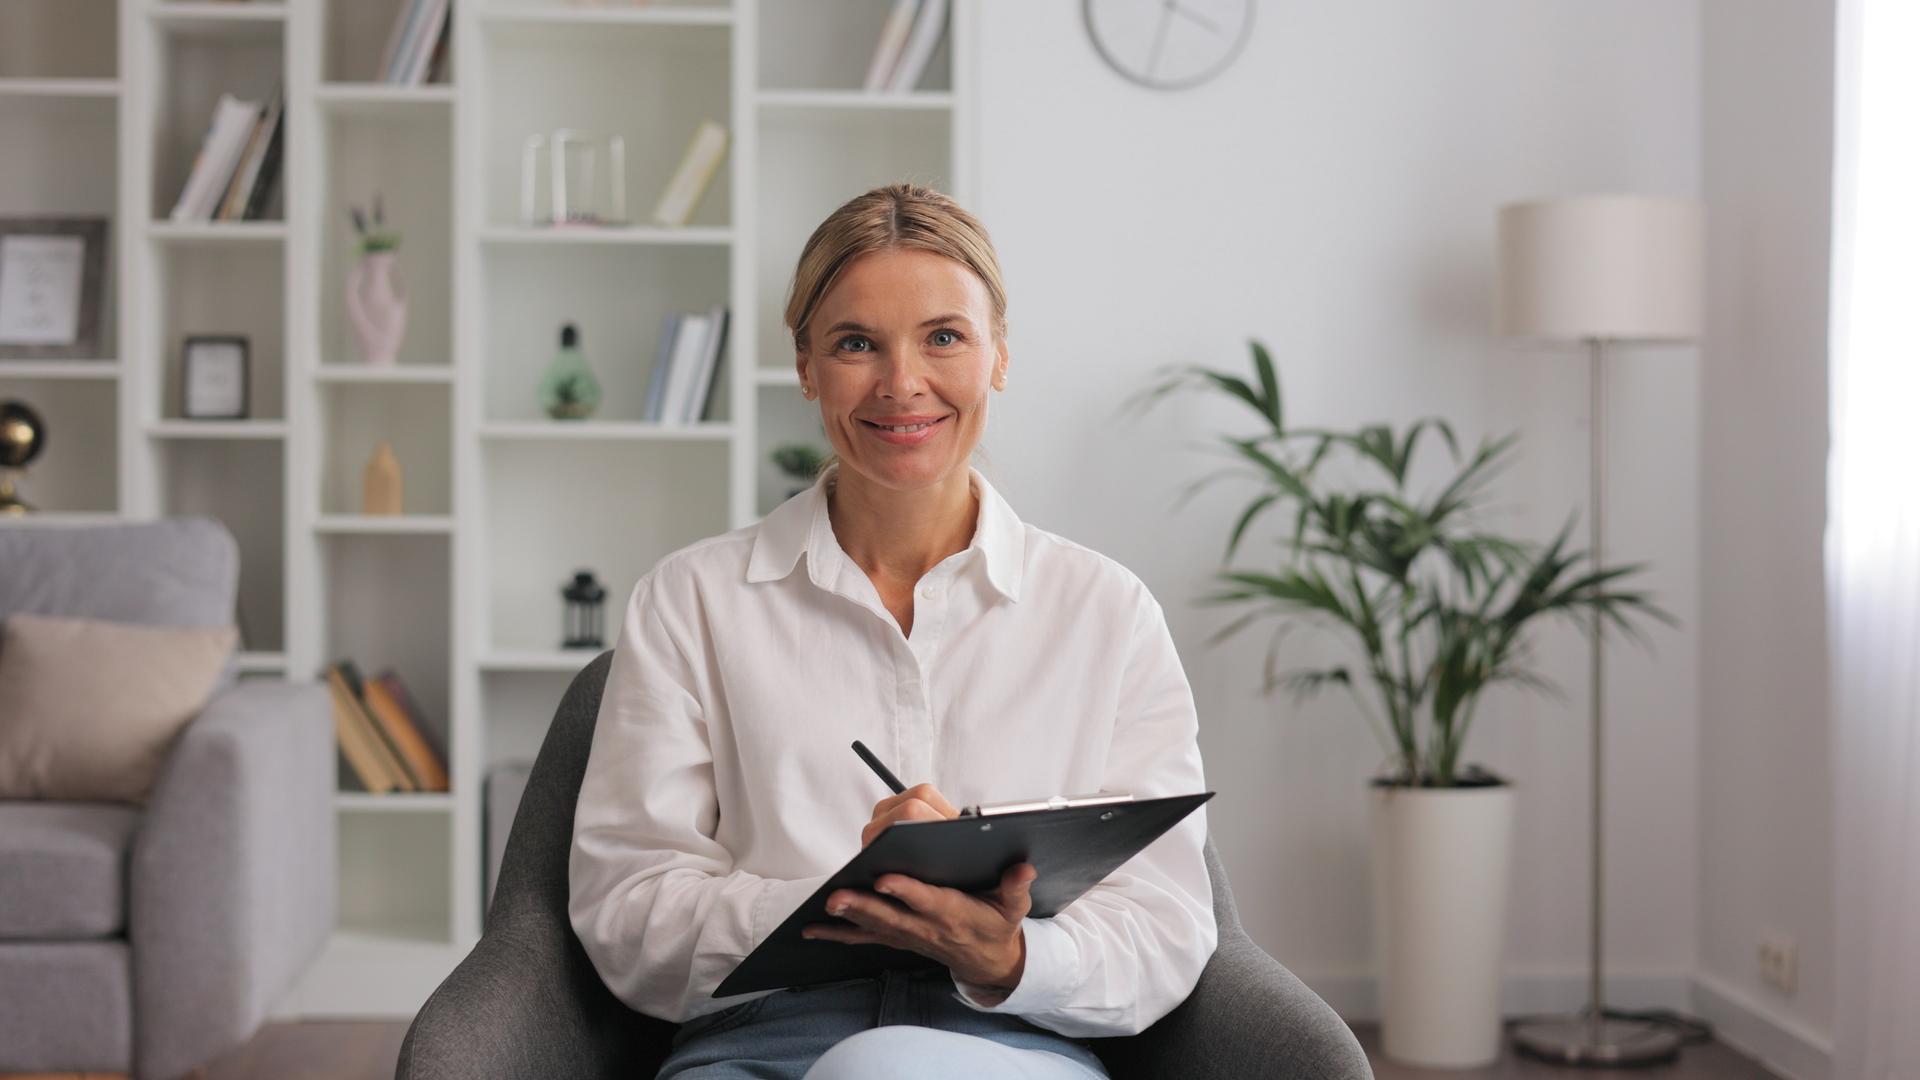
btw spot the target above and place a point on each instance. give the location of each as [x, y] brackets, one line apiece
[1753, 1027]
[1759, 1030]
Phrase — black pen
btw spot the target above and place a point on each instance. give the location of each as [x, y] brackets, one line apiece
[886, 774]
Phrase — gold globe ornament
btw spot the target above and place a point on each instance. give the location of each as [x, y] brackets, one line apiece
[23, 435]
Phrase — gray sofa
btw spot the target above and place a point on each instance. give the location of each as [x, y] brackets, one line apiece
[527, 1003]
[147, 940]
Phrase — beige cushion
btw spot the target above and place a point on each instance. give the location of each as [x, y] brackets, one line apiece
[89, 708]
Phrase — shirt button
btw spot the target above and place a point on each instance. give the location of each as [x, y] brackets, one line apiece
[926, 592]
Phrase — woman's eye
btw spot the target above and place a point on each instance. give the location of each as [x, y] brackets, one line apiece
[845, 341]
[949, 333]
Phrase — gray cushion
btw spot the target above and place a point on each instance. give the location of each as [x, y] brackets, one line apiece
[65, 1007]
[182, 571]
[63, 869]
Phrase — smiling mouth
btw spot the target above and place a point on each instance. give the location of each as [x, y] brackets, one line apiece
[904, 429]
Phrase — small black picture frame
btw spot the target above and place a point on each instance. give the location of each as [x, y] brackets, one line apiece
[214, 377]
[45, 283]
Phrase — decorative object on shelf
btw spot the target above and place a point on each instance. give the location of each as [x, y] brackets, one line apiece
[213, 377]
[52, 271]
[382, 483]
[574, 185]
[569, 390]
[585, 607]
[693, 176]
[376, 294]
[238, 163]
[1168, 44]
[799, 462]
[1596, 269]
[907, 40]
[23, 436]
[1440, 609]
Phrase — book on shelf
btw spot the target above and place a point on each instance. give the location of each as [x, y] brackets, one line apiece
[662, 362]
[681, 388]
[416, 44]
[928, 23]
[689, 340]
[368, 758]
[238, 161]
[695, 172]
[893, 38]
[709, 365]
[405, 732]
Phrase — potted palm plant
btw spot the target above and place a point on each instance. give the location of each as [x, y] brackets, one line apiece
[1437, 610]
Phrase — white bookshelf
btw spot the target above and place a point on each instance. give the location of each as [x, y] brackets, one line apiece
[460, 593]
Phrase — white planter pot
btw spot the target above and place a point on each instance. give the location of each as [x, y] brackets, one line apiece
[1441, 859]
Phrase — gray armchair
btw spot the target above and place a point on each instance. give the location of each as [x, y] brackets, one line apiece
[148, 940]
[527, 1003]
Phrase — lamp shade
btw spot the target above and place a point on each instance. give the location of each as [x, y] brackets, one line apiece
[1601, 266]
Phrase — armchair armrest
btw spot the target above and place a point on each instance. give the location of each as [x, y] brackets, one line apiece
[526, 1003]
[1247, 1016]
[232, 875]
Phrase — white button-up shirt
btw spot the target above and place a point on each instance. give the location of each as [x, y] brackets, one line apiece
[721, 790]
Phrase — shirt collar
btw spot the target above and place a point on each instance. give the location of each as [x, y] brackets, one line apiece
[801, 525]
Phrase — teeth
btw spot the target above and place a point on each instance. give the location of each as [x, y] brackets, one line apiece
[908, 427]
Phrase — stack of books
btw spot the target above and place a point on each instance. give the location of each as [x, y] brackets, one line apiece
[384, 744]
[685, 366]
[907, 38]
[238, 162]
[416, 49]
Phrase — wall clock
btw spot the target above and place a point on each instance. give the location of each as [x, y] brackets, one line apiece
[1169, 44]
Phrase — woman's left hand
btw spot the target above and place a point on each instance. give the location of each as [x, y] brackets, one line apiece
[978, 936]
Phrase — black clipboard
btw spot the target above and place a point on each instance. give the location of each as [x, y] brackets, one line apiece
[1073, 849]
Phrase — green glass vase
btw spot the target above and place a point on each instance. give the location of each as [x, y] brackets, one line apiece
[569, 390]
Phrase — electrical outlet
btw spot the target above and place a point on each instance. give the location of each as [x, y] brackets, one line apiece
[1779, 963]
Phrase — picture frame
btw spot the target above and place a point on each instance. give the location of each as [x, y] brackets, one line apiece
[53, 272]
[214, 371]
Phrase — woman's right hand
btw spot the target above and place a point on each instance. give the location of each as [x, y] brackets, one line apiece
[921, 802]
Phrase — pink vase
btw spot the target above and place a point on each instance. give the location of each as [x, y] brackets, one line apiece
[377, 307]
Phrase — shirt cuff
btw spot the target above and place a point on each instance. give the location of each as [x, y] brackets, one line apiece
[1051, 972]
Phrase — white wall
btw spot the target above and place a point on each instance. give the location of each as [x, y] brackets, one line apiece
[1334, 195]
[1765, 791]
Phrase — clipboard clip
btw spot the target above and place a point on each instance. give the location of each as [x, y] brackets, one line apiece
[1056, 802]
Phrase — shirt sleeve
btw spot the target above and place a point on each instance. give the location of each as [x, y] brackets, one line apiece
[1131, 948]
[653, 897]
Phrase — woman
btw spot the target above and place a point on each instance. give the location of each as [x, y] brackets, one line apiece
[984, 659]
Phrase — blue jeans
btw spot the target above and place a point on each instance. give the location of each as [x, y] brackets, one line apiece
[901, 1024]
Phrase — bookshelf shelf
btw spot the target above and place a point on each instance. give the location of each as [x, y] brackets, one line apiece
[459, 596]
[374, 525]
[59, 369]
[381, 98]
[854, 100]
[617, 430]
[217, 429]
[217, 232]
[612, 234]
[59, 88]
[415, 802]
[506, 19]
[399, 373]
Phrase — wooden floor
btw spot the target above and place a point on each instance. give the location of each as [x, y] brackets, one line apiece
[368, 1050]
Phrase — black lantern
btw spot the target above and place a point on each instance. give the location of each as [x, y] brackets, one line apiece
[586, 602]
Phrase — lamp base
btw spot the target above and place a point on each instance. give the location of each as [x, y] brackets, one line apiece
[1587, 1039]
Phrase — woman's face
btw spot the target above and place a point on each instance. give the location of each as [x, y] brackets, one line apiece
[904, 338]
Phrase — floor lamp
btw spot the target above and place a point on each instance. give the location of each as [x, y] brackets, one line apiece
[1599, 269]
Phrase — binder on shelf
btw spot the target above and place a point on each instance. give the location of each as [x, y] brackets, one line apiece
[695, 172]
[710, 365]
[688, 344]
[893, 38]
[662, 368]
[928, 23]
[403, 731]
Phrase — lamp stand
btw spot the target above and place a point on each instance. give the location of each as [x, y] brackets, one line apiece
[1591, 1037]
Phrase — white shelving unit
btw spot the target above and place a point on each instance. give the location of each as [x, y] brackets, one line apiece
[461, 593]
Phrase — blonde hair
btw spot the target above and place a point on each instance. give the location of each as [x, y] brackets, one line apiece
[903, 215]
